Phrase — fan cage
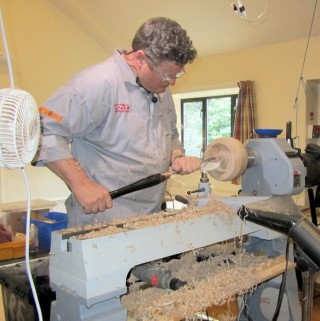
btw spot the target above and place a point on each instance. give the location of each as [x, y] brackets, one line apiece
[19, 128]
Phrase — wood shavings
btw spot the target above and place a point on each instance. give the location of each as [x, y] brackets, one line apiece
[213, 281]
[277, 204]
[213, 207]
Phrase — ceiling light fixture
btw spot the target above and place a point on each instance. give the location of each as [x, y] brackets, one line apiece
[240, 10]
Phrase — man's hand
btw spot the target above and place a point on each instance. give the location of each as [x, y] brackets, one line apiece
[92, 197]
[185, 165]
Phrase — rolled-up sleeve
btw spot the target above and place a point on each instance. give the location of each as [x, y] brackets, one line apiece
[52, 148]
[64, 117]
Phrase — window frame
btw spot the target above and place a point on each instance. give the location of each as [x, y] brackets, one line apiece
[204, 101]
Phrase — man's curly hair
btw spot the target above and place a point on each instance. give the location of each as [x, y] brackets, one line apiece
[163, 39]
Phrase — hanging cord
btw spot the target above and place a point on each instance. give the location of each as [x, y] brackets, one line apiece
[27, 248]
[27, 245]
[303, 63]
[6, 49]
[306, 51]
[245, 311]
[283, 284]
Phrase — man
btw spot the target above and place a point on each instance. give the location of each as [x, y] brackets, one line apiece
[115, 123]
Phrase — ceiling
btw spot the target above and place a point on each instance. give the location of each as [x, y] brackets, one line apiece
[212, 25]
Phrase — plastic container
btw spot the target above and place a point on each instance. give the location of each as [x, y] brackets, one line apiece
[12, 250]
[34, 237]
[45, 228]
[267, 132]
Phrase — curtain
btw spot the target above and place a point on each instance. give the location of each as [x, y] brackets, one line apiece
[244, 121]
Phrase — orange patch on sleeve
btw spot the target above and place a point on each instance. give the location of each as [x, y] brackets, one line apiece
[51, 114]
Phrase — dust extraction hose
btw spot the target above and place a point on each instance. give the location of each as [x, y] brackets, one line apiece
[305, 234]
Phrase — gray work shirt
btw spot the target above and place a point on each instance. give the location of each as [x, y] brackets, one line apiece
[103, 119]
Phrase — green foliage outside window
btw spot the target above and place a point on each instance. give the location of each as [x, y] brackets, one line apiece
[205, 119]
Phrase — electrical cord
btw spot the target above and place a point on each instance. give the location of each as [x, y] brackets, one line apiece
[27, 249]
[282, 285]
[6, 50]
[245, 309]
[305, 53]
[27, 244]
[303, 64]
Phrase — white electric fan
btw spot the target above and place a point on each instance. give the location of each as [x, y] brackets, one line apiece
[19, 128]
[19, 140]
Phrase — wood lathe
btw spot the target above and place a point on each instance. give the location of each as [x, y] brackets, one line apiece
[89, 265]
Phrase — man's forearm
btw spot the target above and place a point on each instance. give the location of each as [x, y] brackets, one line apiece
[91, 196]
[70, 171]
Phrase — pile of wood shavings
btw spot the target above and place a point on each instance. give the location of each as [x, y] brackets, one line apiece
[213, 206]
[210, 282]
[165, 305]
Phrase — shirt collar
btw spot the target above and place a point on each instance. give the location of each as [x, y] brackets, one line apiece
[127, 73]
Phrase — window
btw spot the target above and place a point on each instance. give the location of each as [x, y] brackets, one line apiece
[204, 119]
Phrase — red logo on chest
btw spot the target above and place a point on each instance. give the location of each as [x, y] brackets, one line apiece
[121, 108]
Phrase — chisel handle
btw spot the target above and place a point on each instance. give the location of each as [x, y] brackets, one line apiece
[143, 183]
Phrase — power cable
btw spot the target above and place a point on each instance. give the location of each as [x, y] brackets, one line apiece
[301, 80]
[27, 241]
